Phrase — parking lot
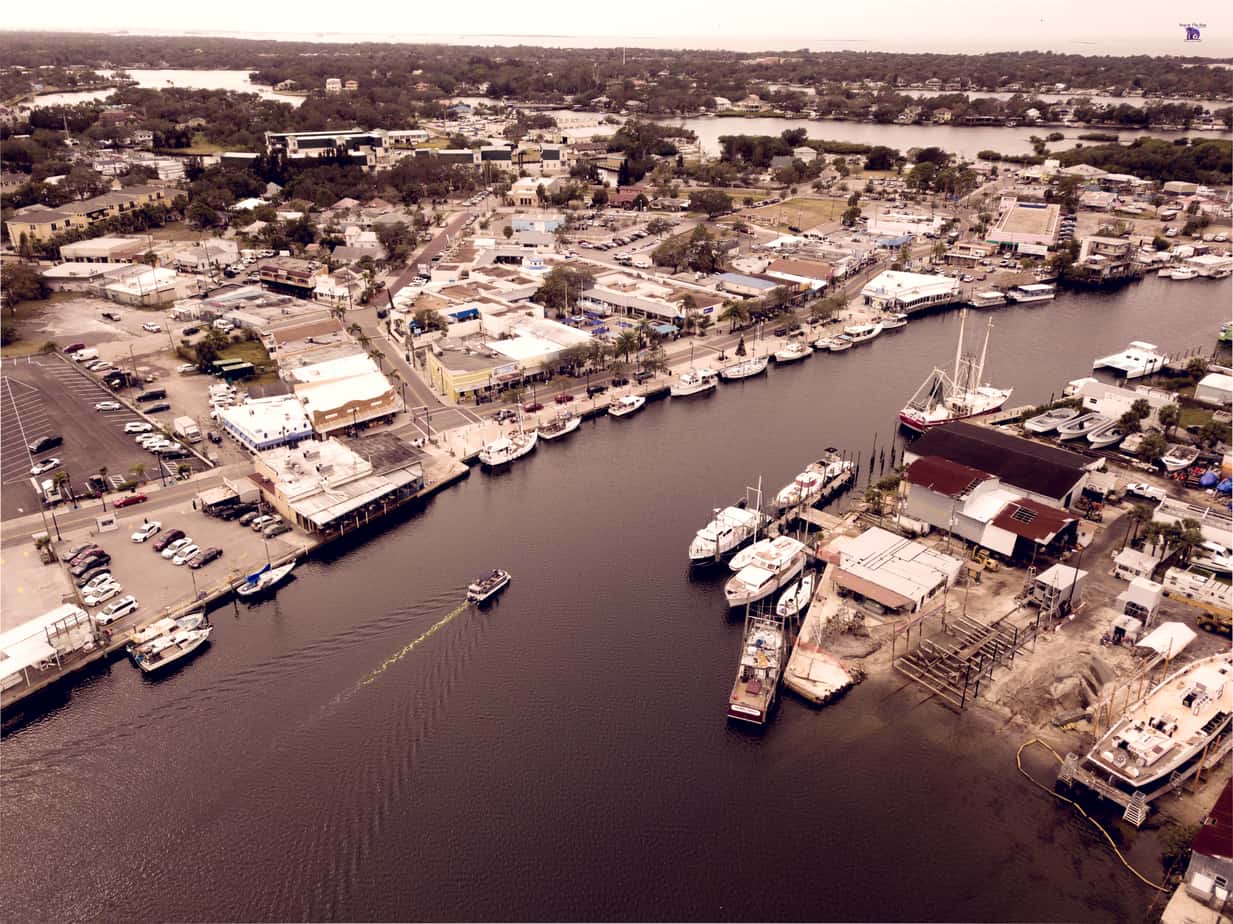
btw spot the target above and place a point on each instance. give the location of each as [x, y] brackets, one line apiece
[43, 395]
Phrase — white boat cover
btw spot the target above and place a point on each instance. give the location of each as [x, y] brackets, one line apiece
[1168, 638]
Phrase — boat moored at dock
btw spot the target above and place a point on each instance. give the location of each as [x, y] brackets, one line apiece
[561, 425]
[772, 566]
[694, 382]
[893, 321]
[763, 649]
[795, 600]
[264, 581]
[506, 449]
[946, 396]
[745, 369]
[833, 344]
[819, 480]
[730, 529]
[626, 405]
[166, 650]
[790, 353]
[1032, 292]
[1137, 360]
[862, 333]
[990, 299]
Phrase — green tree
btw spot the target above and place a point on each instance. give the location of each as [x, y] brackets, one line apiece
[20, 282]
[1212, 434]
[626, 343]
[562, 286]
[713, 202]
[1169, 417]
[1152, 447]
[736, 313]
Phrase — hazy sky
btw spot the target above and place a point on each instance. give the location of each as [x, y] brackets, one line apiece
[1100, 27]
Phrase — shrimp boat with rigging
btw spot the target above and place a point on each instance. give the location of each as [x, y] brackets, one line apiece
[945, 396]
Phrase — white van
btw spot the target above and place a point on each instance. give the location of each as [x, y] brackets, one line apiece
[82, 356]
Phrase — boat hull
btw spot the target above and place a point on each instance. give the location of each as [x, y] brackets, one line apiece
[920, 424]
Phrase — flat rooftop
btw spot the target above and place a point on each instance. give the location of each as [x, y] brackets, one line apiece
[1029, 218]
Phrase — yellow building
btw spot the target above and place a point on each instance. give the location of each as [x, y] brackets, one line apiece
[39, 223]
[458, 376]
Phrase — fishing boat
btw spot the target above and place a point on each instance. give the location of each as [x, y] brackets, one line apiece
[1178, 457]
[792, 352]
[990, 299]
[267, 579]
[893, 320]
[1165, 272]
[772, 567]
[729, 529]
[1050, 420]
[945, 396]
[795, 600]
[168, 649]
[757, 677]
[1160, 739]
[162, 627]
[809, 486]
[745, 368]
[506, 449]
[1137, 360]
[1082, 425]
[483, 589]
[626, 405]
[1182, 273]
[833, 344]
[1032, 292]
[694, 382]
[862, 333]
[560, 425]
[1110, 434]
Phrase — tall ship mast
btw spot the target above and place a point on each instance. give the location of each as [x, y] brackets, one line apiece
[954, 394]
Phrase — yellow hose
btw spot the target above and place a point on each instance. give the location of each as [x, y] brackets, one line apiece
[1057, 795]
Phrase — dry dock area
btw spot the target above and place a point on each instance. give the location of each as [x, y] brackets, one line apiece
[813, 672]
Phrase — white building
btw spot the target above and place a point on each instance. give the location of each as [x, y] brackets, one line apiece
[1114, 401]
[889, 573]
[894, 290]
[344, 392]
[264, 423]
[1215, 388]
[37, 645]
[894, 224]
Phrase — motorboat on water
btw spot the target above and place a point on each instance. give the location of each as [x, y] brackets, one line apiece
[483, 589]
[694, 382]
[1051, 419]
[746, 556]
[763, 654]
[772, 567]
[808, 487]
[166, 650]
[1137, 360]
[1181, 273]
[265, 580]
[1110, 434]
[161, 627]
[1160, 739]
[792, 352]
[1082, 425]
[893, 320]
[946, 396]
[833, 344]
[626, 405]
[795, 600]
[561, 425]
[1032, 292]
[729, 529]
[862, 333]
[1178, 457]
[746, 368]
[506, 449]
[990, 299]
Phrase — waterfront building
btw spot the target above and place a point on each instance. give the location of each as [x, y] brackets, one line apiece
[1040, 472]
[1114, 401]
[264, 423]
[1215, 388]
[1028, 227]
[889, 574]
[894, 290]
[29, 648]
[343, 392]
[1204, 894]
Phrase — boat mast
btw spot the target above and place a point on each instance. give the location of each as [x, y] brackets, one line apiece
[963, 316]
[980, 370]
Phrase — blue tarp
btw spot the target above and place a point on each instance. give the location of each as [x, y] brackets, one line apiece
[665, 329]
[467, 314]
[895, 241]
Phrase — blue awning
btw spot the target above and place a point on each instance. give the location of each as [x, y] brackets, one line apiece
[467, 314]
[665, 328]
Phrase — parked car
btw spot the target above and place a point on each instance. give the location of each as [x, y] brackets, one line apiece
[172, 535]
[73, 348]
[247, 519]
[1148, 491]
[187, 369]
[204, 557]
[92, 573]
[130, 500]
[563, 398]
[643, 375]
[138, 426]
[158, 408]
[44, 443]
[152, 328]
[101, 594]
[214, 437]
[185, 555]
[262, 522]
[98, 581]
[238, 511]
[275, 529]
[596, 390]
[83, 553]
[117, 609]
[147, 530]
[173, 549]
[190, 330]
[619, 380]
[108, 406]
[45, 466]
[89, 563]
[530, 407]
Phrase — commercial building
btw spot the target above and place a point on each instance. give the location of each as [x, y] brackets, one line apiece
[363, 146]
[887, 573]
[326, 488]
[144, 286]
[812, 273]
[41, 644]
[1045, 473]
[264, 423]
[296, 277]
[105, 250]
[40, 223]
[344, 392]
[900, 223]
[894, 290]
[635, 297]
[1114, 401]
[1029, 227]
[741, 284]
[525, 191]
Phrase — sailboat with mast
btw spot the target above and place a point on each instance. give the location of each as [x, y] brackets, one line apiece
[950, 395]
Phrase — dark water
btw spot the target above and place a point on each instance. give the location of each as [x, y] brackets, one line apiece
[565, 755]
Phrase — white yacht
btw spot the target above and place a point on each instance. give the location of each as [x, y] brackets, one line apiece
[483, 589]
[1032, 292]
[160, 628]
[990, 299]
[862, 333]
[893, 321]
[1165, 733]
[793, 351]
[1182, 273]
[626, 405]
[506, 449]
[1178, 457]
[811, 485]
[168, 649]
[833, 344]
[772, 567]
[796, 599]
[949, 396]
[730, 529]
[561, 425]
[745, 368]
[694, 382]
[1137, 360]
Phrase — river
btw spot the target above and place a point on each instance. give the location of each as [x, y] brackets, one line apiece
[565, 755]
[154, 79]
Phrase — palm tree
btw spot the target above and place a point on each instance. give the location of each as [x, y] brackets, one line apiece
[874, 497]
[734, 312]
[1169, 417]
[1138, 515]
[626, 342]
[646, 331]
[1153, 535]
[1186, 537]
[138, 471]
